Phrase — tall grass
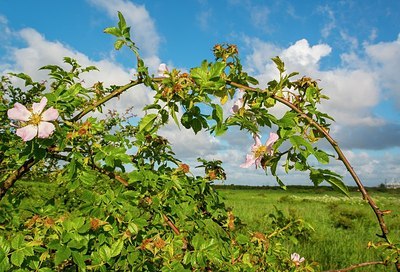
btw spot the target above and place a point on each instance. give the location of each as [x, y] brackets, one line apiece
[343, 225]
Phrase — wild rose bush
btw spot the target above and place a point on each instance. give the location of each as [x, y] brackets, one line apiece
[124, 202]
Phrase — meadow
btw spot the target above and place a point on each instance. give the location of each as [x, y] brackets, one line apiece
[342, 226]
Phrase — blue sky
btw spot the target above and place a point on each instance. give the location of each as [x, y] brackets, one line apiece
[351, 47]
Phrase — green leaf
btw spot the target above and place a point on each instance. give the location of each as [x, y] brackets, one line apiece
[147, 122]
[196, 125]
[321, 156]
[252, 80]
[280, 182]
[62, 254]
[216, 70]
[338, 185]
[105, 253]
[317, 176]
[2, 255]
[200, 74]
[116, 248]
[298, 141]
[113, 31]
[217, 113]
[186, 120]
[118, 44]
[220, 130]
[78, 259]
[279, 64]
[17, 258]
[17, 241]
[198, 241]
[310, 94]
[28, 79]
[122, 22]
[288, 120]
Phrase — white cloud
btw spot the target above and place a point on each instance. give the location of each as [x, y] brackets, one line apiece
[259, 59]
[385, 58]
[353, 91]
[346, 38]
[39, 52]
[331, 20]
[187, 144]
[304, 56]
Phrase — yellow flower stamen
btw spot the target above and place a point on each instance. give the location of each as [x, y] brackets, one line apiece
[260, 151]
[35, 119]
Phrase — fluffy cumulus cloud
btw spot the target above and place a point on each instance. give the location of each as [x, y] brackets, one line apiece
[385, 57]
[38, 51]
[302, 55]
[353, 91]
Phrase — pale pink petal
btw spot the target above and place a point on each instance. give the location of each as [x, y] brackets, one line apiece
[162, 70]
[50, 114]
[250, 160]
[27, 133]
[45, 129]
[257, 140]
[273, 137]
[19, 112]
[38, 107]
[257, 162]
[237, 105]
[295, 257]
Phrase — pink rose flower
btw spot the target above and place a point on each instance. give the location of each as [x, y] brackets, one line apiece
[258, 150]
[35, 122]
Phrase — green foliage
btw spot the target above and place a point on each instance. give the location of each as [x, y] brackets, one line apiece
[118, 198]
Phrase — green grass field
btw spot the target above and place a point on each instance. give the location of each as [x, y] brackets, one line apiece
[343, 225]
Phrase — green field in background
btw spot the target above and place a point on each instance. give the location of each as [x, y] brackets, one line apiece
[343, 225]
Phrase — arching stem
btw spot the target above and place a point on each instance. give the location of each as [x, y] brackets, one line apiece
[379, 214]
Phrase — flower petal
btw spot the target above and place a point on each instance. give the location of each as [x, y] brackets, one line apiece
[50, 114]
[19, 112]
[27, 133]
[237, 105]
[257, 140]
[273, 137]
[38, 107]
[45, 129]
[162, 70]
[250, 160]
